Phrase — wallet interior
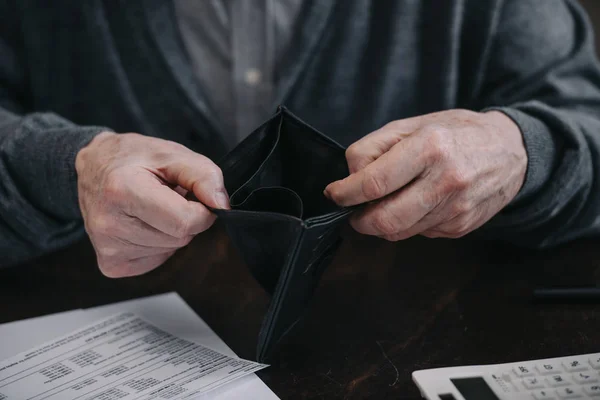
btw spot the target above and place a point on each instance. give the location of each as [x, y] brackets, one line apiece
[283, 167]
[280, 221]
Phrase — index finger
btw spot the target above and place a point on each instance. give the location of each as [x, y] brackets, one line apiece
[197, 174]
[372, 146]
[166, 210]
[393, 170]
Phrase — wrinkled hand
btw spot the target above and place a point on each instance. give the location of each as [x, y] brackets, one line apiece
[438, 175]
[131, 194]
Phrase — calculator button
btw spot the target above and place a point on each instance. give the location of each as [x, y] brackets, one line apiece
[574, 365]
[569, 393]
[533, 383]
[557, 380]
[548, 368]
[543, 395]
[522, 371]
[585, 377]
[595, 362]
[592, 390]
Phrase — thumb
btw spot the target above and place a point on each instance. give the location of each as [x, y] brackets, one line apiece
[199, 176]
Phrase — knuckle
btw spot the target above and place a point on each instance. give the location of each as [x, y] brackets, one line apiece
[455, 180]
[459, 228]
[182, 229]
[213, 173]
[163, 150]
[206, 224]
[397, 125]
[94, 224]
[197, 220]
[464, 114]
[114, 188]
[174, 147]
[107, 267]
[383, 223]
[373, 186]
[108, 253]
[357, 156]
[359, 224]
[455, 235]
[101, 225]
[460, 208]
[336, 194]
[117, 271]
[109, 272]
[353, 152]
[184, 241]
[436, 143]
[429, 199]
[396, 237]
[431, 234]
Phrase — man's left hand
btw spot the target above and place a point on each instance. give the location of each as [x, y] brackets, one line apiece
[438, 175]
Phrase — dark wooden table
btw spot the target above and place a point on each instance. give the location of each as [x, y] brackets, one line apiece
[382, 309]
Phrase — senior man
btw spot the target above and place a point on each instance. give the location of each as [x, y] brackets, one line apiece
[460, 115]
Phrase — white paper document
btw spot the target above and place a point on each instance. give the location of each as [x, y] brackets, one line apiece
[19, 336]
[127, 356]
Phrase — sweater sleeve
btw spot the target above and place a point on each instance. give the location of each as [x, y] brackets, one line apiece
[543, 74]
[39, 209]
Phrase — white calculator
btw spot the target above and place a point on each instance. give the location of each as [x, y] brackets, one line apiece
[574, 377]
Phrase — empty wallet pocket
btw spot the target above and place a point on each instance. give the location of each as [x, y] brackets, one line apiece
[274, 199]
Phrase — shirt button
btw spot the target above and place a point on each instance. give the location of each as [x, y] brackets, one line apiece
[253, 76]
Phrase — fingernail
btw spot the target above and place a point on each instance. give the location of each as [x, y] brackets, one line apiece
[222, 200]
[326, 192]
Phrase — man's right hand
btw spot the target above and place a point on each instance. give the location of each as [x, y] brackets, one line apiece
[131, 194]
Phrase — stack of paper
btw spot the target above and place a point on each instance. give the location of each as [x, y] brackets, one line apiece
[150, 348]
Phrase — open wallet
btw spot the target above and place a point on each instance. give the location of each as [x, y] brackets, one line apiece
[280, 221]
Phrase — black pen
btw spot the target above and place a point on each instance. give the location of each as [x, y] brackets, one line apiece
[576, 294]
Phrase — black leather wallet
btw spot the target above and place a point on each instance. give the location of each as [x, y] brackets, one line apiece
[280, 221]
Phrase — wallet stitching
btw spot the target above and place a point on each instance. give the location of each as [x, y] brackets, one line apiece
[327, 142]
[236, 162]
[262, 165]
[259, 215]
[274, 187]
[253, 147]
[332, 217]
[299, 123]
[298, 226]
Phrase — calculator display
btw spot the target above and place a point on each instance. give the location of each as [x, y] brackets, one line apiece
[474, 388]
